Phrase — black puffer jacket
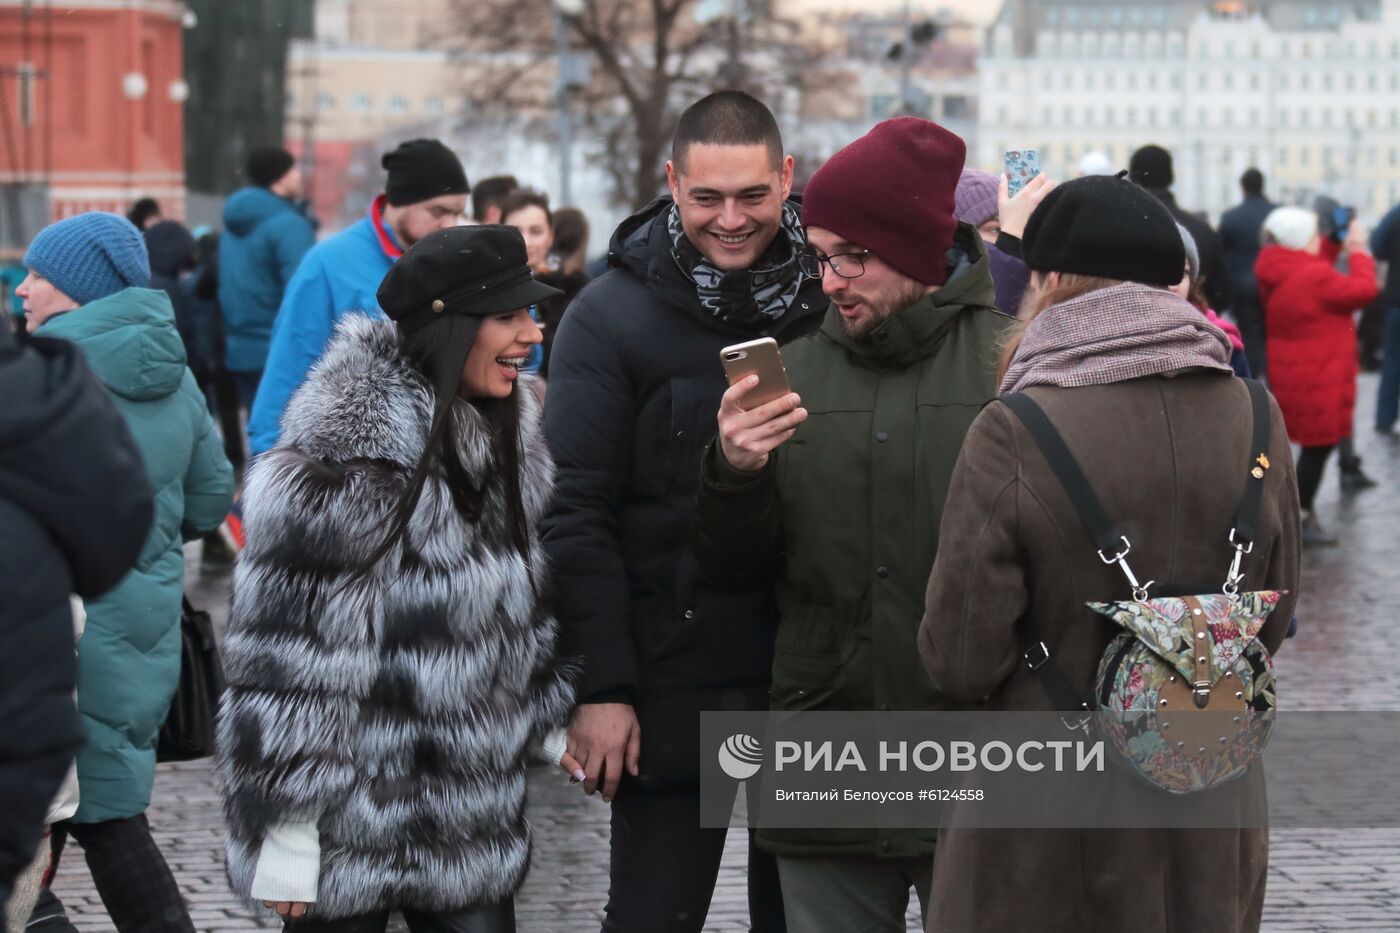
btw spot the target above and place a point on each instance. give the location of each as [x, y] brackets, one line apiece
[635, 385]
[75, 508]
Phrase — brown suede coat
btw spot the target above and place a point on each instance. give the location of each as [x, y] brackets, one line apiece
[1167, 457]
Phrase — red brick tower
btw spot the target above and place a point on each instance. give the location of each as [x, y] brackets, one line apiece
[92, 102]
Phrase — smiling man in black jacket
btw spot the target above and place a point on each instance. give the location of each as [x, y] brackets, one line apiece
[635, 383]
[75, 506]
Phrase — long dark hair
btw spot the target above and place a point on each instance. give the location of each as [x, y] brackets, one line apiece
[439, 351]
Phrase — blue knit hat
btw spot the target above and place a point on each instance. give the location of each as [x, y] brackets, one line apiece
[90, 256]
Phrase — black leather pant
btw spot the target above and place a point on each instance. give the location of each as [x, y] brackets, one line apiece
[494, 918]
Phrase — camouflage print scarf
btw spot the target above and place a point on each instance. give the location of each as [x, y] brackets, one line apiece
[754, 297]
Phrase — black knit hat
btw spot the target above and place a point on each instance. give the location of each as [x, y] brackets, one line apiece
[420, 170]
[267, 165]
[473, 271]
[1108, 227]
[1151, 167]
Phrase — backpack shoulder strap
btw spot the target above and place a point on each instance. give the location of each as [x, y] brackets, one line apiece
[1037, 655]
[1072, 478]
[1247, 518]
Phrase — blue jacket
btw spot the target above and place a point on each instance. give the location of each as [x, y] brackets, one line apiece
[264, 240]
[339, 275]
[1385, 246]
[129, 655]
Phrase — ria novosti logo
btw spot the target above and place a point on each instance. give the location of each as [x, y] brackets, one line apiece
[741, 756]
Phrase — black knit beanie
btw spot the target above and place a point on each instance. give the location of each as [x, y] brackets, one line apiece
[420, 170]
[1151, 167]
[267, 165]
[1108, 227]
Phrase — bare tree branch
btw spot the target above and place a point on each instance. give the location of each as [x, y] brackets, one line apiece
[650, 60]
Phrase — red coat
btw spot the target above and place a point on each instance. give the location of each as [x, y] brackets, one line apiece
[1308, 308]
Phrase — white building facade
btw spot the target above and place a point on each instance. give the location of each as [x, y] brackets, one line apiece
[1308, 92]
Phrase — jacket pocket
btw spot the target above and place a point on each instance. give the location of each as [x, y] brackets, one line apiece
[821, 681]
[672, 619]
[694, 407]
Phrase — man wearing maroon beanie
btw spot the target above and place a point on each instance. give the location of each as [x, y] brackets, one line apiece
[833, 494]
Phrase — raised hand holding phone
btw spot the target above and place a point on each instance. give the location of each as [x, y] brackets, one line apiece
[1021, 166]
[1015, 212]
[747, 437]
[759, 412]
[1356, 240]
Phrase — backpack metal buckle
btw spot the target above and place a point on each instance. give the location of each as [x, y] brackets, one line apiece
[1077, 725]
[1037, 655]
[1139, 589]
[1235, 575]
[1116, 558]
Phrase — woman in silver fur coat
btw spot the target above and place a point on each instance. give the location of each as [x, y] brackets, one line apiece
[390, 662]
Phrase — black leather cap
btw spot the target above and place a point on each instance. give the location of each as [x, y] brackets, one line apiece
[475, 271]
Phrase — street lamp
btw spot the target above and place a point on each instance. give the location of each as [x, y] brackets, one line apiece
[134, 85]
[572, 76]
[735, 13]
[913, 37]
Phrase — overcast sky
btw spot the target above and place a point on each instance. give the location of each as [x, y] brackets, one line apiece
[977, 11]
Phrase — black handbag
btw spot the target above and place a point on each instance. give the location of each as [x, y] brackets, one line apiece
[188, 732]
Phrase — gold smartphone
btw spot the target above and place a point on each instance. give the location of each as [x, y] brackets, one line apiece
[761, 357]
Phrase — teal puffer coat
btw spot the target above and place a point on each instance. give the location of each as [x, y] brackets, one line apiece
[129, 655]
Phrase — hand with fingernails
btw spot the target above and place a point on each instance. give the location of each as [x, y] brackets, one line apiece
[291, 909]
[746, 438]
[605, 738]
[572, 768]
[1015, 212]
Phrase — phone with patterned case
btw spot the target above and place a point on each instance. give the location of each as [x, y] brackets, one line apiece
[1021, 166]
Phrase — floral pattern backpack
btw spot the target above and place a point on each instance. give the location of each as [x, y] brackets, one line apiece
[1177, 656]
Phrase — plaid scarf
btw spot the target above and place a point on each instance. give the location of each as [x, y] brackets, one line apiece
[1113, 335]
[750, 297]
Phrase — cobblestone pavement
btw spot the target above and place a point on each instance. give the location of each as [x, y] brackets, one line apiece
[1343, 658]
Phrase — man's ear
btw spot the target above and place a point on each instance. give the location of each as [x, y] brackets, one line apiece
[788, 168]
[673, 181]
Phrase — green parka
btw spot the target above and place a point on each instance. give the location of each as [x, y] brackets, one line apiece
[129, 655]
[843, 520]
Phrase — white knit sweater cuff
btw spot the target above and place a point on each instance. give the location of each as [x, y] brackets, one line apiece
[554, 745]
[289, 864]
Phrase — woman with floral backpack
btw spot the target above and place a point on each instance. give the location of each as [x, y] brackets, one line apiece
[1138, 384]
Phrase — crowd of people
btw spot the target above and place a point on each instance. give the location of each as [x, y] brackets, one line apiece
[500, 506]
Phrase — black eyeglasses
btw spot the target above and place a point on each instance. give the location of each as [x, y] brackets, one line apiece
[845, 265]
